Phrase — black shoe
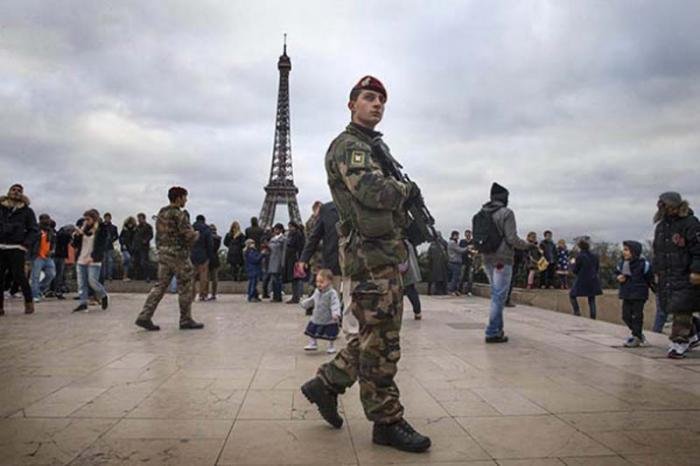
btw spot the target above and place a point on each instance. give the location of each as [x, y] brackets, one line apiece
[82, 307]
[497, 339]
[293, 301]
[147, 324]
[327, 402]
[104, 302]
[60, 297]
[266, 296]
[509, 304]
[191, 325]
[401, 436]
[417, 316]
[2, 312]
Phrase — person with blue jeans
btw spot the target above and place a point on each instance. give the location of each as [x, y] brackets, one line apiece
[41, 256]
[90, 240]
[499, 262]
[455, 258]
[253, 269]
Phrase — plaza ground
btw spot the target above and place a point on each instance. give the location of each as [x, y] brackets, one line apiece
[91, 389]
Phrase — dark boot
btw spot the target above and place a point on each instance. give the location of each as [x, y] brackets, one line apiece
[104, 302]
[401, 436]
[497, 339]
[2, 311]
[147, 324]
[191, 325]
[29, 307]
[327, 402]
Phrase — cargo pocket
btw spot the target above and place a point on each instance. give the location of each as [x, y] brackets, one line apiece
[372, 303]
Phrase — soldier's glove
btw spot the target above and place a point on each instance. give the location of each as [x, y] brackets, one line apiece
[695, 279]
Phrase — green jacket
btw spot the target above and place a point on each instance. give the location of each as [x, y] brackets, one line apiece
[370, 204]
[174, 234]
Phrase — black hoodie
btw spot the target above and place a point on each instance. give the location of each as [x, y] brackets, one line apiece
[640, 276]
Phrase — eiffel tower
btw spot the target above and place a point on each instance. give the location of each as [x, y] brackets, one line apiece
[281, 189]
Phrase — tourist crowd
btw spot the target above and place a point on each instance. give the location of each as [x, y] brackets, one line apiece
[36, 257]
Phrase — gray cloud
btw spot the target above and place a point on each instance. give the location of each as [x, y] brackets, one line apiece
[585, 110]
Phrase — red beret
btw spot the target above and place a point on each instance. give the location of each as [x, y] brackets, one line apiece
[370, 83]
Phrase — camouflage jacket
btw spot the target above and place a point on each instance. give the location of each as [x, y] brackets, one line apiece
[174, 234]
[370, 204]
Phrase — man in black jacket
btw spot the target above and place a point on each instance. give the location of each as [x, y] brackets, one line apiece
[254, 232]
[550, 253]
[112, 236]
[142, 246]
[325, 234]
[18, 232]
[677, 267]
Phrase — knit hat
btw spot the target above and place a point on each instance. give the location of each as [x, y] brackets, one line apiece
[370, 83]
[671, 199]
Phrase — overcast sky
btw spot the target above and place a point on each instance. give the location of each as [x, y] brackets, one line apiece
[585, 110]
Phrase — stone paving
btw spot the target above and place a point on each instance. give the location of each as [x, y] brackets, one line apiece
[92, 389]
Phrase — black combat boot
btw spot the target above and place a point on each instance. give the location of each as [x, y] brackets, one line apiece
[147, 324]
[327, 402]
[401, 436]
[191, 325]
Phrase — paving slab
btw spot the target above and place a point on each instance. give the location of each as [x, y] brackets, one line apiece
[92, 388]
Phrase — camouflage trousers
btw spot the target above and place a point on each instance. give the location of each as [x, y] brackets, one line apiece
[169, 267]
[372, 355]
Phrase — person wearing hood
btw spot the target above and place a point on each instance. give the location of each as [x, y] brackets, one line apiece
[677, 267]
[41, 256]
[498, 264]
[18, 232]
[635, 275]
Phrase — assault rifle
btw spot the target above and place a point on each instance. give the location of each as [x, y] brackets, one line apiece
[421, 224]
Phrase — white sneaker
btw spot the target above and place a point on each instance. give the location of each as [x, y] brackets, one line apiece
[677, 350]
[331, 349]
[632, 342]
[693, 342]
[312, 346]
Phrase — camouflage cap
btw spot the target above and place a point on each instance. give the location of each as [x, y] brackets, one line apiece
[370, 83]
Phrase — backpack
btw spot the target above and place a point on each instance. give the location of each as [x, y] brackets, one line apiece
[487, 236]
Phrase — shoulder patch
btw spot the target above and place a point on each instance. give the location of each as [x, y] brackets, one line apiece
[358, 158]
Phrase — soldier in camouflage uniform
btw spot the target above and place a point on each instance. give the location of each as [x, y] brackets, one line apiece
[371, 230]
[174, 239]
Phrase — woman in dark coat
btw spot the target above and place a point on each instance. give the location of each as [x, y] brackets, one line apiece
[437, 266]
[586, 283]
[235, 242]
[292, 254]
